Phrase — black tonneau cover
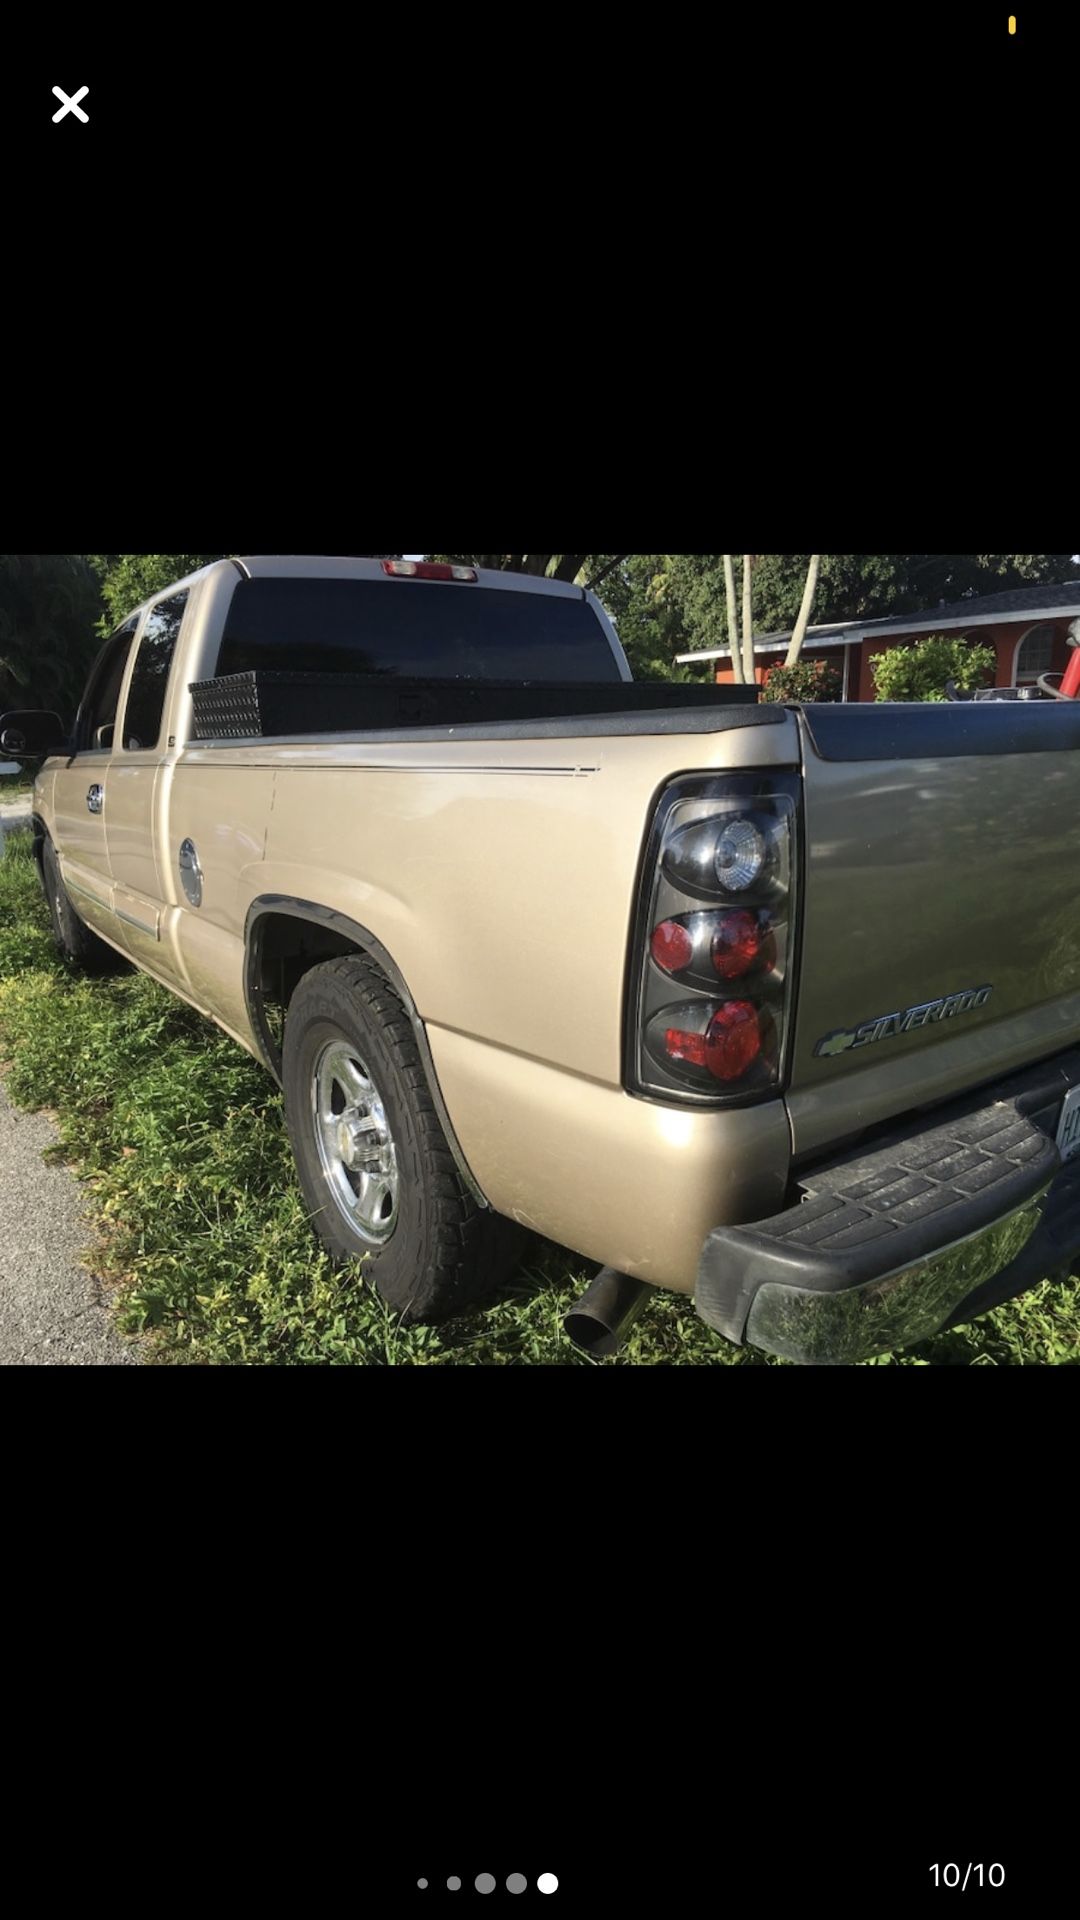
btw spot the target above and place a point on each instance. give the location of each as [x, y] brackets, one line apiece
[953, 730]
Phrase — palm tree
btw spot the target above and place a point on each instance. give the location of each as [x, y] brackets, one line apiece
[802, 624]
[749, 663]
[733, 620]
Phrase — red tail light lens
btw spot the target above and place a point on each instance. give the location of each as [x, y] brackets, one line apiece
[673, 946]
[727, 1048]
[738, 944]
[685, 1047]
[732, 1040]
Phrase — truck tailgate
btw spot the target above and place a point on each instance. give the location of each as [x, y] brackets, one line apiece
[941, 913]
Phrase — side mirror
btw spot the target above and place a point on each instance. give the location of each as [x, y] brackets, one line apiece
[32, 736]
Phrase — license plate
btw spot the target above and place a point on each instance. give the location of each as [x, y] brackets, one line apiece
[1068, 1134]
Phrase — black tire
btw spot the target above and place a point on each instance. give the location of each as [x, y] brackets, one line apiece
[444, 1253]
[72, 937]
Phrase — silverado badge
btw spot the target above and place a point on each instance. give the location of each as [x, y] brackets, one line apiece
[888, 1026]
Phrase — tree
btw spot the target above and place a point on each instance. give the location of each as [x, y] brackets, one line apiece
[636, 593]
[936, 577]
[129, 578]
[733, 619]
[48, 608]
[704, 587]
[803, 622]
[749, 664]
[850, 586]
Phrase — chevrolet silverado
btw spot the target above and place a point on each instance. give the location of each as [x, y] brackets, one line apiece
[778, 1007]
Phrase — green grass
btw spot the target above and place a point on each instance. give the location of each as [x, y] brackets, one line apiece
[15, 786]
[203, 1230]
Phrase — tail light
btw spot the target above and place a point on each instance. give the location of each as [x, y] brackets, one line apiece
[710, 1008]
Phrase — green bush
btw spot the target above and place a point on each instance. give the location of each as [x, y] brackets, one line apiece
[921, 672]
[808, 681]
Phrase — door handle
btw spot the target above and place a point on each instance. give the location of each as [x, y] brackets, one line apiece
[95, 800]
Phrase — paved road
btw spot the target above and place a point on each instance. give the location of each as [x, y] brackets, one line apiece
[51, 1309]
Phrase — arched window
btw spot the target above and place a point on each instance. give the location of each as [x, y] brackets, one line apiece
[1034, 655]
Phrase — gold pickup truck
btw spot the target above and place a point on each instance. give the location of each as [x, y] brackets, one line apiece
[775, 1007]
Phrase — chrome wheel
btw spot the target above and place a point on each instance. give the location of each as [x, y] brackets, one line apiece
[356, 1149]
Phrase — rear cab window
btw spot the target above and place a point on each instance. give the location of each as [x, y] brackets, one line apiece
[413, 630]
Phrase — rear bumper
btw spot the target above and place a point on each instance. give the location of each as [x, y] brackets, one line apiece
[924, 1229]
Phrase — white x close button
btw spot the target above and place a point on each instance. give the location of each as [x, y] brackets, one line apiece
[71, 104]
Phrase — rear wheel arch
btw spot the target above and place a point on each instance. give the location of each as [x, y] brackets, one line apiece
[285, 938]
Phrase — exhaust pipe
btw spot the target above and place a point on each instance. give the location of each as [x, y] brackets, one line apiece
[601, 1319]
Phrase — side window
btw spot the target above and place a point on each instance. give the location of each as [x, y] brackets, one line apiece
[96, 728]
[150, 680]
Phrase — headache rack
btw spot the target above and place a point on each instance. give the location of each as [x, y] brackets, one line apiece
[261, 706]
